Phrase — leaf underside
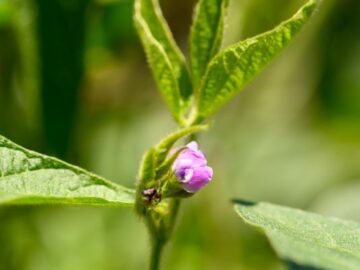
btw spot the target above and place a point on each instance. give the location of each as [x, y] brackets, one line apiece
[305, 240]
[27, 177]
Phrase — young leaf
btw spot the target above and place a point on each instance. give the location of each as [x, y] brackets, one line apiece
[167, 163]
[165, 145]
[163, 72]
[206, 35]
[147, 169]
[230, 70]
[146, 178]
[27, 177]
[166, 60]
[305, 240]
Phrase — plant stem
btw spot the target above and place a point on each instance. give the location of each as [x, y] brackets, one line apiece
[160, 225]
[161, 233]
[157, 248]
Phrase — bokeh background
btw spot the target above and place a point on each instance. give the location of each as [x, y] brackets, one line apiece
[74, 83]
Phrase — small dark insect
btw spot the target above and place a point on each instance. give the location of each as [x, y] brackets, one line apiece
[151, 195]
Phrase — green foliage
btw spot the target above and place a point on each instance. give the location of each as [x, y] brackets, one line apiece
[165, 59]
[305, 240]
[206, 35]
[27, 177]
[302, 239]
[230, 70]
[216, 76]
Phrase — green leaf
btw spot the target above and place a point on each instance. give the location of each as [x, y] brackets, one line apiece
[230, 70]
[165, 58]
[305, 240]
[27, 177]
[206, 35]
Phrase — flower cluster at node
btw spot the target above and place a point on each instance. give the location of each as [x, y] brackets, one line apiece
[190, 168]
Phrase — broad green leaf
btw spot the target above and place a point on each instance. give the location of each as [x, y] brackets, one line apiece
[27, 177]
[206, 35]
[165, 145]
[231, 69]
[305, 240]
[166, 60]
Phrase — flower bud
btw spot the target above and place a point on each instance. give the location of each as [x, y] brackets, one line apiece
[190, 168]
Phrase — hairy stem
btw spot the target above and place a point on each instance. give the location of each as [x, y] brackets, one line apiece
[157, 248]
[161, 232]
[159, 216]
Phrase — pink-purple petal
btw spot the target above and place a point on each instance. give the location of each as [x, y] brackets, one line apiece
[190, 167]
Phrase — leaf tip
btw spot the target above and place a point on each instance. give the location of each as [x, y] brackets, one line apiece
[243, 202]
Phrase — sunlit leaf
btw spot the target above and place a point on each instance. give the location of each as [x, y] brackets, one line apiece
[305, 240]
[231, 69]
[206, 35]
[27, 177]
[166, 60]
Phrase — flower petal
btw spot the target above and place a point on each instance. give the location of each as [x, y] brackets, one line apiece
[200, 177]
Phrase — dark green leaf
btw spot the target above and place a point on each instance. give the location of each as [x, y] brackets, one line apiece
[305, 240]
[230, 70]
[27, 177]
[206, 35]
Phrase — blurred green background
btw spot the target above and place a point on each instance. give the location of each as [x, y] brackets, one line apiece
[74, 83]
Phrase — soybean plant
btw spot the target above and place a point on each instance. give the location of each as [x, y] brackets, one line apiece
[171, 172]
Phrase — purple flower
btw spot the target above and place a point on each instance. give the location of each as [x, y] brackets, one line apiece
[190, 167]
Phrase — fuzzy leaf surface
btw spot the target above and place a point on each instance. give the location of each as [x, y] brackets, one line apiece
[165, 58]
[230, 70]
[27, 177]
[206, 35]
[305, 240]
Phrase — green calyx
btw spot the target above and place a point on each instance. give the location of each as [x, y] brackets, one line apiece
[156, 180]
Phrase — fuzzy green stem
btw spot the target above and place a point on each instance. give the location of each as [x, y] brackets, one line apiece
[161, 232]
[157, 248]
[160, 223]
